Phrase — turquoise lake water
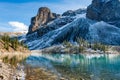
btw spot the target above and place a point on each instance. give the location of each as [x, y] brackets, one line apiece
[77, 66]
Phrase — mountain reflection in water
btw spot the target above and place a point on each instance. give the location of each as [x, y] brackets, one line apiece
[77, 66]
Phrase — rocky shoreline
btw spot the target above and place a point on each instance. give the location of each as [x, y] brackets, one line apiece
[63, 50]
[10, 68]
[11, 73]
[8, 72]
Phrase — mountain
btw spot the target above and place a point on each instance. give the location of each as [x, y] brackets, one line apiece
[95, 24]
[105, 10]
[43, 16]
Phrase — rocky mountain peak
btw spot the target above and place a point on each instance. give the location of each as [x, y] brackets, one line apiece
[105, 10]
[75, 24]
[74, 12]
[43, 16]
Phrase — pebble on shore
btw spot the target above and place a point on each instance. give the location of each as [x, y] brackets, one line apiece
[10, 73]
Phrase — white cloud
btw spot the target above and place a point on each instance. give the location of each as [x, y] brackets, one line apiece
[18, 26]
[4, 27]
[14, 15]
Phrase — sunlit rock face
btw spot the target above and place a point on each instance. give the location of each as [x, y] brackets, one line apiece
[43, 16]
[58, 22]
[105, 10]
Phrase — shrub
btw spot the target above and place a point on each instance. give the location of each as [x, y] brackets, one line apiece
[25, 46]
[82, 42]
[67, 44]
[99, 46]
[12, 42]
[82, 45]
[6, 40]
[6, 46]
[5, 59]
[81, 48]
[15, 43]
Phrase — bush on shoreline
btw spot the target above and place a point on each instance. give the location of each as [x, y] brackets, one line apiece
[11, 42]
[82, 45]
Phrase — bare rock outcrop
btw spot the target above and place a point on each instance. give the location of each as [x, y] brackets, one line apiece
[43, 16]
[105, 10]
[74, 12]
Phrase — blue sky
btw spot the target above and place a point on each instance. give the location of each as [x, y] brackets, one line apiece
[21, 11]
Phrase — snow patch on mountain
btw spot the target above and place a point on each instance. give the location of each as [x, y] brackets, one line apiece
[72, 27]
[105, 33]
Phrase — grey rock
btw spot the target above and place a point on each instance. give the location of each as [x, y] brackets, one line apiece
[44, 26]
[104, 33]
[104, 10]
[99, 26]
[69, 13]
[60, 22]
[54, 25]
[77, 28]
[74, 13]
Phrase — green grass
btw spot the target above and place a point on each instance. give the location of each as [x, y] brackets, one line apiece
[12, 42]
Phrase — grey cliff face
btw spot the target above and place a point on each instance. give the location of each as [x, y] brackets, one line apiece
[74, 13]
[54, 25]
[42, 22]
[43, 16]
[105, 10]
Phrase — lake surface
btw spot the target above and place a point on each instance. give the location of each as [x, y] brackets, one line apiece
[78, 66]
